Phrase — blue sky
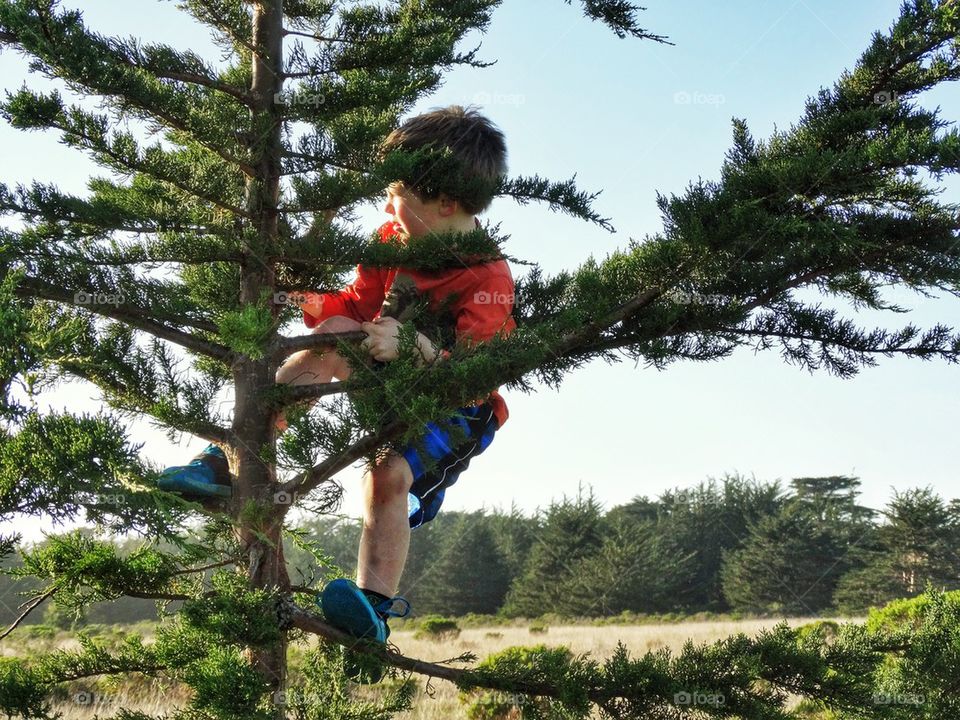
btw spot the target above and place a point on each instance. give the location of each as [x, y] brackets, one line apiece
[633, 118]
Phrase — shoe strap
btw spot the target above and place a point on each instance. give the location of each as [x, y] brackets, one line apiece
[386, 607]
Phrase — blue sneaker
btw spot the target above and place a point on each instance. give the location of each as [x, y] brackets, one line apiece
[347, 608]
[207, 475]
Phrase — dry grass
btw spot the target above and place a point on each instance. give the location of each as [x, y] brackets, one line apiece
[441, 702]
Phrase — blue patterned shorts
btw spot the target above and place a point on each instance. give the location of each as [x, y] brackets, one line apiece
[479, 424]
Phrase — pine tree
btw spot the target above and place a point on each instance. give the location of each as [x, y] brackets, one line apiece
[467, 574]
[570, 532]
[918, 544]
[166, 284]
[789, 565]
[792, 561]
[706, 522]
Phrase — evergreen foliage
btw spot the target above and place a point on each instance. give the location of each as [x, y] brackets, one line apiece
[230, 185]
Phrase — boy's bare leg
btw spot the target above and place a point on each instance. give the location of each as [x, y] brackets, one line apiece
[385, 538]
[309, 367]
[386, 529]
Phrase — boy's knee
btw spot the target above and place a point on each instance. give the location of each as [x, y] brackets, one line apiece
[336, 323]
[304, 360]
[389, 479]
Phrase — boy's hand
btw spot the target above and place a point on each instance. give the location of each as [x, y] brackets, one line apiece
[381, 340]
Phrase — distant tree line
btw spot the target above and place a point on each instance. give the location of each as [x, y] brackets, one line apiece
[728, 545]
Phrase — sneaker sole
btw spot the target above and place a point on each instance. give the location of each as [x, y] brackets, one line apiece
[346, 608]
[186, 486]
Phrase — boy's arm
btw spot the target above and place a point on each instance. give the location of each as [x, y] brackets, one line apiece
[360, 300]
[484, 311]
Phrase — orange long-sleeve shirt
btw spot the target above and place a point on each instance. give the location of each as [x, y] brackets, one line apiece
[465, 305]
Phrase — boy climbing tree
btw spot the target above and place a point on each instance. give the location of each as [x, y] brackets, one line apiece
[248, 196]
[406, 487]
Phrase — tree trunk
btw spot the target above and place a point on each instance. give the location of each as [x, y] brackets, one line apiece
[253, 423]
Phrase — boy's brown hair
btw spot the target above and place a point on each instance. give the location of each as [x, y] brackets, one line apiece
[464, 157]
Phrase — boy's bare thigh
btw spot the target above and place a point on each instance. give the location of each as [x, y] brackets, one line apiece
[301, 367]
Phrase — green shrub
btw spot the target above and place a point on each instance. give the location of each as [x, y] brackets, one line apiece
[40, 632]
[435, 627]
[538, 629]
[908, 612]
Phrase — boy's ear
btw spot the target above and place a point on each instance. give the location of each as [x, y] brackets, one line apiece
[448, 206]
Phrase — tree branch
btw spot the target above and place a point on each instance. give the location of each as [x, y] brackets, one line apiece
[207, 82]
[307, 481]
[35, 288]
[93, 146]
[204, 568]
[311, 623]
[34, 603]
[156, 596]
[947, 355]
[159, 112]
[288, 345]
[322, 38]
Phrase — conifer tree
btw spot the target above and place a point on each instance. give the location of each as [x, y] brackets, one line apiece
[708, 521]
[918, 544]
[168, 282]
[467, 573]
[789, 565]
[570, 533]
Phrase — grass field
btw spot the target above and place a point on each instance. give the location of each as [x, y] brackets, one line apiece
[441, 702]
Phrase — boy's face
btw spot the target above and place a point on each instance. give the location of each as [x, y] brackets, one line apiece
[412, 216]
